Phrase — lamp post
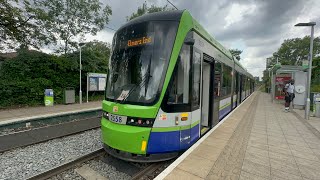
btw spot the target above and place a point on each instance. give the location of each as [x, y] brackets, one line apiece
[307, 109]
[80, 68]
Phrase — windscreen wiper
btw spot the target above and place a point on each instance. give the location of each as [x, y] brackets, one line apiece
[148, 78]
[144, 82]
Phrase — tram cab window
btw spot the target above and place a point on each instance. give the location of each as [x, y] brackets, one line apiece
[227, 80]
[179, 86]
[217, 78]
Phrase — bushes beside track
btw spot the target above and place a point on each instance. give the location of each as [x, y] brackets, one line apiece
[24, 77]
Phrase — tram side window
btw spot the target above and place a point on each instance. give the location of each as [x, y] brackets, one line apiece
[179, 86]
[196, 75]
[243, 80]
[235, 83]
[227, 81]
[247, 83]
[217, 78]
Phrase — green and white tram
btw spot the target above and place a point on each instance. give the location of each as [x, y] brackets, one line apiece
[169, 82]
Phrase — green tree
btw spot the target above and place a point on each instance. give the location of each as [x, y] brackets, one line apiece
[69, 20]
[236, 53]
[19, 25]
[144, 9]
[294, 51]
[95, 56]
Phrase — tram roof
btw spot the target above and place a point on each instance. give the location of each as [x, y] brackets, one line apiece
[176, 16]
[157, 16]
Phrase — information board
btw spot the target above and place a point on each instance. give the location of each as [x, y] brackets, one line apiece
[96, 81]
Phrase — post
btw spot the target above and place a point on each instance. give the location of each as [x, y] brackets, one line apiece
[307, 110]
[80, 92]
[87, 87]
[269, 89]
[272, 86]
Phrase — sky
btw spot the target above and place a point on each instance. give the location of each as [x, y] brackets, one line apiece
[257, 27]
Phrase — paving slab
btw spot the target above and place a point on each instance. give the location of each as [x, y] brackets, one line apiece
[29, 112]
[261, 142]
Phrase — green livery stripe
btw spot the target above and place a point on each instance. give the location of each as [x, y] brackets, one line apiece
[176, 128]
[185, 127]
[185, 25]
[226, 105]
[195, 123]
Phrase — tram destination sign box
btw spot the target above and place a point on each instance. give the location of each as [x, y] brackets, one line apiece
[96, 81]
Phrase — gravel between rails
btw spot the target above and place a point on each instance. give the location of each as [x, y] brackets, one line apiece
[105, 170]
[24, 162]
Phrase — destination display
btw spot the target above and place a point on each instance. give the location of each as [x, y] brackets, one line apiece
[140, 41]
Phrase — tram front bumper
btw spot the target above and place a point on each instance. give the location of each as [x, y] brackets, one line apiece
[143, 158]
[126, 138]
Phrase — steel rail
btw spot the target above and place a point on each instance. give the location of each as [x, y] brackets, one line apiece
[46, 133]
[148, 170]
[66, 166]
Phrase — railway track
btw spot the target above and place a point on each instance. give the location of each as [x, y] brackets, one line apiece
[59, 169]
[148, 171]
[144, 172]
[46, 133]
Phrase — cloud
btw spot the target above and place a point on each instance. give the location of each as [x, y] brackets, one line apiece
[104, 35]
[258, 27]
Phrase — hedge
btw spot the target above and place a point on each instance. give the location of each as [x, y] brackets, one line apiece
[24, 78]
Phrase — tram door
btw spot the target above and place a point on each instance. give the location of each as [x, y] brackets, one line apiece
[209, 105]
[206, 71]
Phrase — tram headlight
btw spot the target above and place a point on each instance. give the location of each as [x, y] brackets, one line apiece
[143, 122]
[105, 115]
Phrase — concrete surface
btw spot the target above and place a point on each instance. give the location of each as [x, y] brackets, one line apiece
[30, 112]
[258, 141]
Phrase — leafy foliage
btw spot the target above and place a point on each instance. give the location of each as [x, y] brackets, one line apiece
[36, 23]
[144, 9]
[24, 78]
[19, 25]
[294, 51]
[71, 19]
[236, 53]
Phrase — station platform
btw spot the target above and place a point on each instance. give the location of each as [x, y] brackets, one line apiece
[258, 140]
[29, 113]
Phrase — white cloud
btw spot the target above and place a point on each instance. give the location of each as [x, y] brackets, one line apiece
[256, 27]
[104, 35]
[237, 12]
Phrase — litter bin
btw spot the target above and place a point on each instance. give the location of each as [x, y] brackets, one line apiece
[48, 97]
[69, 96]
[316, 105]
